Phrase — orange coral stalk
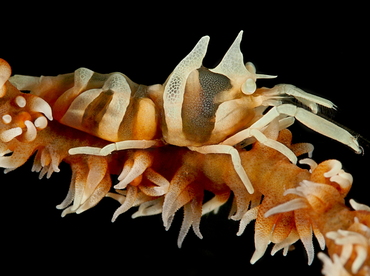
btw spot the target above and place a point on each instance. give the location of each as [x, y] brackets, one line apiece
[289, 203]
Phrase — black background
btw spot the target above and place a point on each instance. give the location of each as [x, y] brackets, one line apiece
[323, 50]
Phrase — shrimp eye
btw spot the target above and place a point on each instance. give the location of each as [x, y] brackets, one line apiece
[249, 86]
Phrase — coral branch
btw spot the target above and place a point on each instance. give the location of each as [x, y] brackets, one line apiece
[288, 204]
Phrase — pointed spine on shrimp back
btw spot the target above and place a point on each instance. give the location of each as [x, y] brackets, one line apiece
[232, 66]
[197, 101]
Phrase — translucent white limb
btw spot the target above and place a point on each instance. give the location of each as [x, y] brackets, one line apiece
[254, 132]
[240, 136]
[306, 98]
[312, 121]
[235, 158]
[122, 145]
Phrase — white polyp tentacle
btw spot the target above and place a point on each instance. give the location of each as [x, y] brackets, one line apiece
[319, 236]
[336, 166]
[40, 122]
[247, 218]
[149, 208]
[120, 196]
[7, 119]
[29, 134]
[162, 183]
[291, 239]
[8, 135]
[31, 131]
[307, 188]
[361, 253]
[95, 177]
[310, 162]
[45, 157]
[126, 169]
[36, 166]
[344, 179]
[128, 203]
[139, 165]
[294, 191]
[332, 267]
[336, 174]
[131, 173]
[294, 204]
[313, 192]
[342, 237]
[40, 105]
[46, 162]
[347, 250]
[213, 204]
[351, 242]
[20, 101]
